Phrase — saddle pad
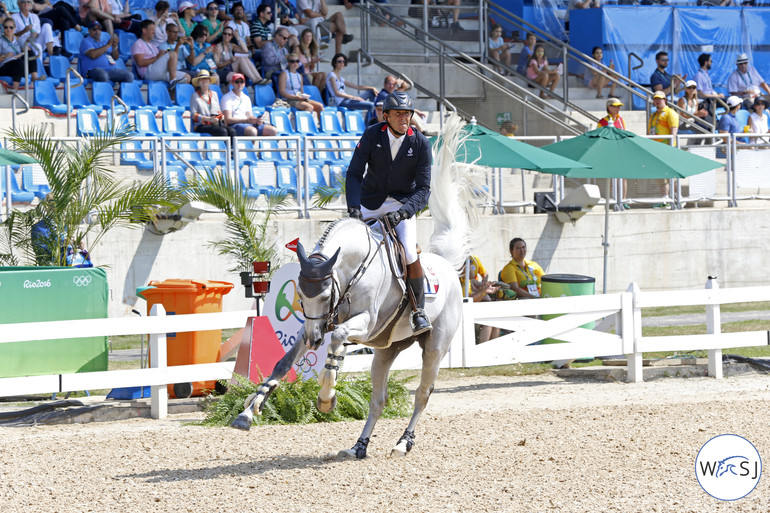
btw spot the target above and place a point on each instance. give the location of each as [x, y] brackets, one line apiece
[431, 281]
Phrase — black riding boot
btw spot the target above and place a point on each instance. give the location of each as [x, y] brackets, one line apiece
[416, 282]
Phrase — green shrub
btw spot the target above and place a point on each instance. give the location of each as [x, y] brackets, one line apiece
[294, 403]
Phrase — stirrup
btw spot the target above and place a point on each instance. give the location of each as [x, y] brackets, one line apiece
[419, 322]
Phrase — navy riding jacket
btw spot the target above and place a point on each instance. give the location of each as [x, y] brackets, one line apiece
[406, 179]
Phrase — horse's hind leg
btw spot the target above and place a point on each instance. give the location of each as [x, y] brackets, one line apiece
[431, 359]
[383, 359]
[255, 402]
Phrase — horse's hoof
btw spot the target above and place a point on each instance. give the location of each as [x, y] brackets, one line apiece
[326, 406]
[347, 454]
[398, 452]
[248, 400]
[242, 422]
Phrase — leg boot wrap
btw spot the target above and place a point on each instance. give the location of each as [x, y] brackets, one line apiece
[420, 322]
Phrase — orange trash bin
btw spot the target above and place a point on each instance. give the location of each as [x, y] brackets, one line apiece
[181, 297]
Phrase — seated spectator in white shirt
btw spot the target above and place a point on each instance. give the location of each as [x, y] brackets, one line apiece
[29, 29]
[153, 63]
[236, 108]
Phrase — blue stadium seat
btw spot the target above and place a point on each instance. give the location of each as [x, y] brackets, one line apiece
[132, 155]
[190, 152]
[175, 176]
[72, 40]
[314, 93]
[262, 179]
[183, 93]
[102, 93]
[354, 122]
[46, 97]
[286, 179]
[280, 120]
[80, 100]
[125, 41]
[159, 97]
[264, 96]
[337, 176]
[88, 123]
[742, 117]
[131, 94]
[17, 195]
[218, 90]
[330, 123]
[304, 123]
[173, 123]
[327, 155]
[58, 66]
[315, 179]
[216, 152]
[33, 180]
[246, 154]
[146, 126]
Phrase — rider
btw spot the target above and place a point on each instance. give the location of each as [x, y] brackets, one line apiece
[396, 186]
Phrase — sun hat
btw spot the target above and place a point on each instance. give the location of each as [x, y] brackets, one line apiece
[734, 101]
[612, 102]
[659, 94]
[742, 57]
[203, 73]
[186, 5]
[691, 83]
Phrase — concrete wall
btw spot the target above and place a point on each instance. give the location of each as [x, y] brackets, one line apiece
[656, 249]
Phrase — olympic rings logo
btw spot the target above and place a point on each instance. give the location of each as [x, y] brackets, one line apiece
[307, 362]
[81, 281]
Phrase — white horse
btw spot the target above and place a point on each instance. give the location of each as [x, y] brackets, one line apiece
[347, 288]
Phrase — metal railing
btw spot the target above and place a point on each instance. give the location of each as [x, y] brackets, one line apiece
[67, 94]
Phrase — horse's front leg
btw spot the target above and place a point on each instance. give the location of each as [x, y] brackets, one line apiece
[255, 402]
[356, 326]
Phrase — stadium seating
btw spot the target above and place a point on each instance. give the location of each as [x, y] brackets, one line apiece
[159, 97]
[131, 94]
[175, 176]
[33, 180]
[314, 93]
[280, 120]
[262, 179]
[264, 96]
[125, 42]
[304, 123]
[315, 179]
[17, 195]
[330, 123]
[58, 66]
[146, 126]
[354, 122]
[46, 97]
[216, 152]
[72, 40]
[286, 180]
[132, 155]
[80, 100]
[173, 123]
[87, 123]
[246, 154]
[183, 93]
[102, 93]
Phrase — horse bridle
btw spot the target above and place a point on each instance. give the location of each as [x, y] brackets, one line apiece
[342, 296]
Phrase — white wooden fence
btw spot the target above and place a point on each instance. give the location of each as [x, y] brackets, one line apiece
[621, 311]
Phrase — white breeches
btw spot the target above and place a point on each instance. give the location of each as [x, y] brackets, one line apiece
[406, 231]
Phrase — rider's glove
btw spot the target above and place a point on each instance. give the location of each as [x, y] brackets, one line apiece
[393, 218]
[355, 213]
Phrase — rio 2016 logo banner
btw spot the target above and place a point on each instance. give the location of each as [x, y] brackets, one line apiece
[284, 311]
[728, 467]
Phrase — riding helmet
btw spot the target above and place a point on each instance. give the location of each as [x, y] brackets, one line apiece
[398, 100]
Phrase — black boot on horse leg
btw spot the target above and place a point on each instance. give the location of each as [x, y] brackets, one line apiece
[416, 282]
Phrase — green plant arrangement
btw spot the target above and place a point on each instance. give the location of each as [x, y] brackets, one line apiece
[86, 199]
[294, 402]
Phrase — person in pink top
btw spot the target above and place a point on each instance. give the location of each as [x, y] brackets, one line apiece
[153, 63]
[538, 71]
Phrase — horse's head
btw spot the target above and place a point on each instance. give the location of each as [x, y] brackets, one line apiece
[316, 291]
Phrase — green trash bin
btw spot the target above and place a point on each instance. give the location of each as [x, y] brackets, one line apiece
[566, 285]
[37, 294]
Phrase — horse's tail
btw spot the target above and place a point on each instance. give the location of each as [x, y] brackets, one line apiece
[454, 199]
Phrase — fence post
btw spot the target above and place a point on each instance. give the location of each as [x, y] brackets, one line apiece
[158, 360]
[634, 365]
[714, 327]
[468, 327]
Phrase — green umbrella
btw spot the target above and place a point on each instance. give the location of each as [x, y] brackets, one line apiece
[487, 148]
[616, 153]
[11, 158]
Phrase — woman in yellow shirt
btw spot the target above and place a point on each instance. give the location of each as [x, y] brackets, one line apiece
[521, 274]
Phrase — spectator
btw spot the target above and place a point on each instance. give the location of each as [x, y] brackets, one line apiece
[310, 57]
[187, 10]
[316, 11]
[236, 107]
[290, 87]
[664, 121]
[596, 81]
[705, 89]
[613, 117]
[61, 16]
[335, 88]
[8, 7]
[153, 63]
[94, 63]
[498, 49]
[205, 114]
[538, 71]
[163, 18]
[108, 12]
[745, 82]
[378, 117]
[274, 53]
[38, 37]
[392, 84]
[212, 24]
[291, 19]
[234, 56]
[693, 108]
[508, 129]
[178, 45]
[203, 55]
[480, 289]
[260, 27]
[728, 124]
[12, 56]
[522, 275]
[527, 51]
[660, 79]
[122, 17]
[240, 26]
[758, 120]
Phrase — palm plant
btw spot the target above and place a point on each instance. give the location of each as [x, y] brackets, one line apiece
[86, 199]
[246, 226]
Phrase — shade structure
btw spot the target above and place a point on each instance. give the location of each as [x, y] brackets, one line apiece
[484, 147]
[11, 158]
[616, 153]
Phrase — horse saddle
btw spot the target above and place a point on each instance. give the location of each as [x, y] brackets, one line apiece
[394, 250]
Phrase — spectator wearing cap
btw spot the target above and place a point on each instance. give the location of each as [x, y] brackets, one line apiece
[694, 109]
[28, 29]
[163, 17]
[745, 82]
[236, 110]
[205, 114]
[94, 63]
[378, 117]
[187, 12]
[728, 124]
[758, 120]
[613, 117]
[660, 79]
[664, 121]
[151, 62]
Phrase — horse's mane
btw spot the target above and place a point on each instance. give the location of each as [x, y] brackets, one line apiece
[333, 228]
